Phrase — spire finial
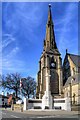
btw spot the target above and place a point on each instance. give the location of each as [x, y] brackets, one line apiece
[66, 51]
[49, 5]
[49, 14]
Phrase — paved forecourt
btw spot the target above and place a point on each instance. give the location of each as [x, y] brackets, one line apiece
[40, 114]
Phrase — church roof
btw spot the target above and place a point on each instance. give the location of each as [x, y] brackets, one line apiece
[73, 80]
[75, 59]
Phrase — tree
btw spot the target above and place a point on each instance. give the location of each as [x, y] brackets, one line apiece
[11, 82]
[28, 87]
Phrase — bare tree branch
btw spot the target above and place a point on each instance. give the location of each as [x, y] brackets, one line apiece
[29, 87]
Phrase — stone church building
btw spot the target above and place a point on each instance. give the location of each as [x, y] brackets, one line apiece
[50, 62]
[60, 76]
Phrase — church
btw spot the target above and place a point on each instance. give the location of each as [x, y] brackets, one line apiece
[59, 75]
[50, 62]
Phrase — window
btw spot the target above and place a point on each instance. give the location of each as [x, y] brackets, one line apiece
[73, 71]
[74, 98]
[79, 86]
[66, 65]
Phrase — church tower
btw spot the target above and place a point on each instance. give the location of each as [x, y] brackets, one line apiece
[50, 63]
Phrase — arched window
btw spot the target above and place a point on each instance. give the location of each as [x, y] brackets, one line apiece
[74, 98]
[73, 71]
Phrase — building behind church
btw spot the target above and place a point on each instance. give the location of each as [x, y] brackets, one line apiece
[71, 77]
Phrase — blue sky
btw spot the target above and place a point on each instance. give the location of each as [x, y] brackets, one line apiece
[23, 32]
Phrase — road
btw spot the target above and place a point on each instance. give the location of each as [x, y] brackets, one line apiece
[31, 116]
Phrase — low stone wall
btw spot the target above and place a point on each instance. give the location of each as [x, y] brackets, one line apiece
[35, 104]
[64, 103]
[61, 103]
[17, 107]
[75, 107]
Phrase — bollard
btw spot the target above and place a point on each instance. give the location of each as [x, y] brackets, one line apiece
[12, 107]
[21, 108]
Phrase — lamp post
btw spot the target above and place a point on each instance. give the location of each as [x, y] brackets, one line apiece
[20, 87]
[25, 106]
[21, 91]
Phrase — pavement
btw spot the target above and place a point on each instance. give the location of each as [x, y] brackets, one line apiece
[39, 114]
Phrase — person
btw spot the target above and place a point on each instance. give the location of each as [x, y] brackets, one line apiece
[5, 105]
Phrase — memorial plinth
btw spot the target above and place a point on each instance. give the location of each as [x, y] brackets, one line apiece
[47, 101]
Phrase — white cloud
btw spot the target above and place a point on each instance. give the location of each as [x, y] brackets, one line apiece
[6, 40]
[65, 40]
[13, 52]
[23, 16]
[9, 61]
[13, 65]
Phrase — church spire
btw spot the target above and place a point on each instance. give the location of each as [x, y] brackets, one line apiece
[49, 42]
[49, 16]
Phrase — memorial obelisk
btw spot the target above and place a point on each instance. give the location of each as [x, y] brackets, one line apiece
[47, 100]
